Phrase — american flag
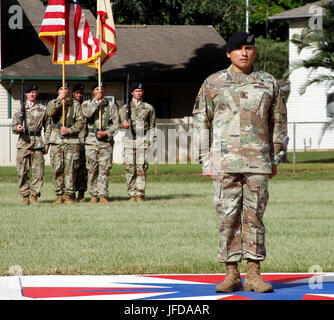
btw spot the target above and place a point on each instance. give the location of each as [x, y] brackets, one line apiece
[65, 21]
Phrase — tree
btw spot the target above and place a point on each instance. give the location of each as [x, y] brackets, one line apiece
[321, 42]
[227, 16]
[278, 52]
[260, 10]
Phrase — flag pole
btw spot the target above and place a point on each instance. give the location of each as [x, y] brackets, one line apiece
[99, 66]
[63, 78]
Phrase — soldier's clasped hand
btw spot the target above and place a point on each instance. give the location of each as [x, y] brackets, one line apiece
[101, 134]
[63, 94]
[64, 131]
[19, 128]
[98, 94]
[125, 125]
[209, 173]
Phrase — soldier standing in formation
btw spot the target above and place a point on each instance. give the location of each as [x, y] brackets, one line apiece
[247, 113]
[102, 122]
[30, 146]
[64, 141]
[81, 180]
[82, 137]
[139, 136]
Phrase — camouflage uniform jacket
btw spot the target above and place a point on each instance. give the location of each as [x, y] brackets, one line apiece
[248, 120]
[142, 122]
[110, 120]
[74, 121]
[35, 120]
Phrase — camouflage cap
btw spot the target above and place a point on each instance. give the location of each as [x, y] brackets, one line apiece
[239, 39]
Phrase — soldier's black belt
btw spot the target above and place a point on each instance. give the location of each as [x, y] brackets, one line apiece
[33, 133]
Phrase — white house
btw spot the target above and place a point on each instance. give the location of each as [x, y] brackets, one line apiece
[307, 113]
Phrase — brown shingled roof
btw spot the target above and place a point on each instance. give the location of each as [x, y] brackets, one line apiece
[149, 53]
[297, 13]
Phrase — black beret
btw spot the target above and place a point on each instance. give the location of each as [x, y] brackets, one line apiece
[96, 85]
[60, 85]
[239, 39]
[136, 85]
[30, 87]
[78, 87]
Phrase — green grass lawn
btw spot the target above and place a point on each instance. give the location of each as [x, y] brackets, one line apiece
[175, 231]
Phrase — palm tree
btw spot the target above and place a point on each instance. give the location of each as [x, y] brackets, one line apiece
[321, 42]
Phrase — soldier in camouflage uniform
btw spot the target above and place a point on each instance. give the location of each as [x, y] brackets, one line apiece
[64, 143]
[30, 146]
[246, 113]
[81, 180]
[99, 142]
[139, 136]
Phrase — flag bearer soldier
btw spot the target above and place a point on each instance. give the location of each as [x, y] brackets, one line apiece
[28, 124]
[246, 112]
[64, 143]
[81, 180]
[139, 137]
[99, 141]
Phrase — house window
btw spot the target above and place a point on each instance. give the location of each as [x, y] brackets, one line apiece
[44, 98]
[162, 107]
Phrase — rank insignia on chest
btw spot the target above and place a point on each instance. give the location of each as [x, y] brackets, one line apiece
[243, 94]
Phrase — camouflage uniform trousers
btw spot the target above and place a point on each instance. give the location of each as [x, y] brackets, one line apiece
[81, 181]
[135, 166]
[240, 201]
[99, 163]
[65, 162]
[27, 160]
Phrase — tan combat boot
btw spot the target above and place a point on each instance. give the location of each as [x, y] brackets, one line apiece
[132, 199]
[68, 199]
[60, 199]
[140, 199]
[81, 196]
[93, 199]
[104, 200]
[232, 281]
[34, 200]
[25, 201]
[253, 279]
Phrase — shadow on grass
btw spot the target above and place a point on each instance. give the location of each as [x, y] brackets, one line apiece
[125, 198]
[317, 161]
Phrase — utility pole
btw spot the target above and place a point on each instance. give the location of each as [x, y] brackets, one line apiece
[247, 15]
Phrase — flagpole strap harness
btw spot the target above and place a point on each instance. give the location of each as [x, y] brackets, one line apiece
[105, 122]
[68, 107]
